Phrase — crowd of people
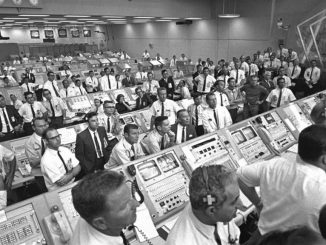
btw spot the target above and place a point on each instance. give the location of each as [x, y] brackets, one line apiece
[220, 95]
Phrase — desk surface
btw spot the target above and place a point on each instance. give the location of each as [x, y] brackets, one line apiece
[19, 180]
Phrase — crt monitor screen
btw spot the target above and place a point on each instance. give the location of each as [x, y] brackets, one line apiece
[149, 170]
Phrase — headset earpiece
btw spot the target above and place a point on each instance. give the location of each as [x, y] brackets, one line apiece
[209, 199]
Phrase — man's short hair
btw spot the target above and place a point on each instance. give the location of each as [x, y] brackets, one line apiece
[295, 236]
[90, 115]
[128, 127]
[180, 111]
[218, 81]
[196, 95]
[148, 73]
[230, 79]
[218, 178]
[161, 89]
[46, 90]
[312, 143]
[108, 102]
[44, 136]
[209, 95]
[205, 68]
[49, 72]
[164, 70]
[279, 79]
[37, 119]
[138, 88]
[159, 120]
[90, 71]
[318, 113]
[27, 93]
[322, 221]
[199, 65]
[1, 96]
[89, 196]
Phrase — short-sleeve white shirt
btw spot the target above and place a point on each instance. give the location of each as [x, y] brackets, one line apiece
[170, 109]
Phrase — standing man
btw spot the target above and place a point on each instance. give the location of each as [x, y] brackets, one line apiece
[67, 90]
[91, 146]
[160, 138]
[164, 107]
[168, 83]
[103, 213]
[56, 108]
[52, 85]
[254, 95]
[215, 117]
[208, 218]
[281, 74]
[311, 76]
[235, 98]
[238, 74]
[91, 82]
[27, 86]
[204, 82]
[34, 150]
[183, 130]
[221, 96]
[30, 110]
[150, 86]
[29, 75]
[128, 149]
[280, 95]
[58, 164]
[11, 121]
[292, 192]
[196, 114]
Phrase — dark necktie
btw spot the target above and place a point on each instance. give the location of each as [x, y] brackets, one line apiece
[55, 90]
[6, 119]
[216, 119]
[279, 99]
[33, 112]
[196, 114]
[28, 90]
[236, 77]
[271, 64]
[224, 78]
[221, 95]
[63, 162]
[52, 109]
[204, 85]
[162, 143]
[42, 147]
[162, 112]
[109, 125]
[66, 92]
[80, 91]
[97, 146]
[249, 70]
[293, 71]
[216, 236]
[109, 82]
[312, 70]
[124, 239]
[133, 150]
[183, 135]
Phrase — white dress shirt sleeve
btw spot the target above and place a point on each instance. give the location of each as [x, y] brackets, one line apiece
[251, 174]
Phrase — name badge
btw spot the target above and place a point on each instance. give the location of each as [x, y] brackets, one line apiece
[105, 143]
[169, 85]
[13, 119]
[69, 164]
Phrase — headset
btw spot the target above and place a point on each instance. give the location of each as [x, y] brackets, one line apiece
[209, 198]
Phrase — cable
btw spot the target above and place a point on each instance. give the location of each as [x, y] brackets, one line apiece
[143, 234]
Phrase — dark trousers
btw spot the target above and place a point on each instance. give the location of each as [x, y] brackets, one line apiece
[28, 130]
[9, 136]
[200, 130]
[250, 110]
[234, 114]
[254, 238]
[56, 122]
[98, 164]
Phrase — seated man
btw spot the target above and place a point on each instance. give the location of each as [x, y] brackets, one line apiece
[290, 190]
[214, 199]
[128, 148]
[7, 158]
[183, 130]
[196, 114]
[67, 90]
[160, 138]
[143, 99]
[318, 113]
[128, 81]
[322, 221]
[58, 164]
[105, 212]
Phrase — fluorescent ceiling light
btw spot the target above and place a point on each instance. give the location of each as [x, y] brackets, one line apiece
[54, 18]
[12, 18]
[116, 19]
[229, 15]
[119, 23]
[24, 22]
[34, 15]
[87, 19]
[113, 16]
[170, 18]
[193, 18]
[77, 16]
[143, 17]
[163, 20]
[96, 21]
[7, 20]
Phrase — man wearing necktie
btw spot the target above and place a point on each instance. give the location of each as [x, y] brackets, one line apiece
[311, 76]
[196, 114]
[51, 84]
[91, 146]
[10, 121]
[222, 98]
[183, 130]
[27, 86]
[208, 218]
[280, 95]
[58, 164]
[215, 116]
[128, 81]
[34, 150]
[168, 83]
[204, 82]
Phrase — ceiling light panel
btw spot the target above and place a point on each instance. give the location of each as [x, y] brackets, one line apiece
[77, 16]
[34, 15]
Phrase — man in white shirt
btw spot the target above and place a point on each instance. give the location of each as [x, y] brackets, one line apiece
[244, 65]
[204, 82]
[11, 79]
[27, 86]
[164, 107]
[222, 74]
[151, 85]
[173, 62]
[158, 57]
[112, 82]
[292, 192]
[128, 149]
[141, 75]
[183, 130]
[67, 90]
[208, 219]
[30, 110]
[253, 68]
[146, 55]
[215, 117]
[183, 58]
[104, 213]
[292, 55]
[51, 85]
[282, 51]
[238, 75]
[15, 102]
[281, 74]
[58, 164]
[272, 64]
[221, 97]
[294, 70]
[91, 82]
[78, 88]
[124, 56]
[196, 114]
[311, 76]
[280, 95]
[56, 109]
[7, 173]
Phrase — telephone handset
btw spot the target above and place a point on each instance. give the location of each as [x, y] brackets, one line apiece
[58, 227]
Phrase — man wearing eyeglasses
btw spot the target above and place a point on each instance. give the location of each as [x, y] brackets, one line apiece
[208, 219]
[143, 100]
[58, 164]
